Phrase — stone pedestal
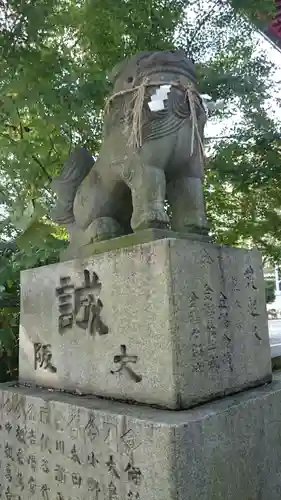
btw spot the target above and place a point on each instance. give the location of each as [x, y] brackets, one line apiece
[172, 323]
[60, 447]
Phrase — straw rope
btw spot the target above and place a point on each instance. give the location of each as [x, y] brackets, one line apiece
[133, 111]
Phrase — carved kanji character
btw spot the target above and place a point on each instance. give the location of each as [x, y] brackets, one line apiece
[43, 357]
[31, 485]
[60, 474]
[76, 479]
[74, 455]
[134, 474]
[88, 305]
[92, 460]
[65, 294]
[124, 360]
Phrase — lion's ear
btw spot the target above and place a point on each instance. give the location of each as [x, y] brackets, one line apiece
[119, 68]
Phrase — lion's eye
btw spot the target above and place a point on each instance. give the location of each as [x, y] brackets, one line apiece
[130, 79]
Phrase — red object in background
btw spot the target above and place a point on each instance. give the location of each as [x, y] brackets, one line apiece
[275, 26]
[273, 31]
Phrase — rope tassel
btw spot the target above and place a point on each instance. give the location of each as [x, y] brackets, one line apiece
[133, 112]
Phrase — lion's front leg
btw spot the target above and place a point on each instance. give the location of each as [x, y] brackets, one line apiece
[148, 188]
[186, 199]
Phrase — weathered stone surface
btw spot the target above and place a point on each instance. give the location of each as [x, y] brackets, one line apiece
[55, 447]
[60, 447]
[171, 323]
[145, 158]
[138, 238]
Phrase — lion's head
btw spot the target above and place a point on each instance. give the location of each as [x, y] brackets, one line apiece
[163, 66]
[140, 102]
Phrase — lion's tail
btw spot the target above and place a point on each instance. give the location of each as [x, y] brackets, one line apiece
[75, 169]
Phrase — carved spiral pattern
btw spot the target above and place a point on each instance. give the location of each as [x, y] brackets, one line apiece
[162, 123]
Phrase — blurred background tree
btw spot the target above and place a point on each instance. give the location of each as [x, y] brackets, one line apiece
[270, 291]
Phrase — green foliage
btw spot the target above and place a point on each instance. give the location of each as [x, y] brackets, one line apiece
[12, 262]
[54, 57]
[9, 317]
[270, 291]
[243, 169]
[255, 10]
[244, 195]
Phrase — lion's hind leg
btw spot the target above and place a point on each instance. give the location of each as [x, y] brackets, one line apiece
[95, 207]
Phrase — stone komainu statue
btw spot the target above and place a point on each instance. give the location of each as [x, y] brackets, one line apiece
[152, 151]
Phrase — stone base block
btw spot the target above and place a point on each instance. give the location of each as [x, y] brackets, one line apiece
[74, 251]
[172, 323]
[60, 447]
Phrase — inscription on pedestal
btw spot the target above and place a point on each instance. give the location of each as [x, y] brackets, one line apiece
[170, 323]
[43, 357]
[250, 279]
[210, 352]
[90, 456]
[81, 306]
[125, 361]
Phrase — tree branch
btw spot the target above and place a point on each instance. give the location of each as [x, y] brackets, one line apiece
[42, 168]
[20, 123]
[207, 16]
[52, 148]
